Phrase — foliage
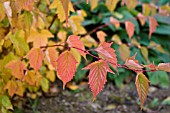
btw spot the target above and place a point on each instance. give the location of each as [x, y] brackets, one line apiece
[34, 44]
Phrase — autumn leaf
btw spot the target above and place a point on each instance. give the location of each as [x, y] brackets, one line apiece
[17, 68]
[39, 38]
[152, 25]
[133, 64]
[63, 9]
[20, 88]
[25, 4]
[75, 22]
[164, 67]
[89, 41]
[124, 52]
[35, 56]
[2, 12]
[33, 78]
[130, 28]
[152, 66]
[107, 53]
[116, 39]
[131, 4]
[74, 41]
[111, 4]
[97, 76]
[66, 67]
[11, 86]
[52, 55]
[142, 85]
[94, 4]
[101, 36]
[115, 22]
[141, 18]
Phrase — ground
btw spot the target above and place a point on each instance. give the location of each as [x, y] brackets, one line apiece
[110, 100]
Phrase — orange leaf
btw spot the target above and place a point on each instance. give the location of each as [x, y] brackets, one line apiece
[107, 53]
[141, 18]
[25, 4]
[33, 78]
[164, 67]
[97, 76]
[101, 36]
[142, 85]
[130, 28]
[66, 67]
[74, 41]
[52, 55]
[115, 22]
[35, 56]
[152, 66]
[152, 25]
[12, 87]
[17, 68]
[133, 64]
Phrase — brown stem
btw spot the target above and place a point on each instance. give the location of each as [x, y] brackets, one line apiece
[55, 16]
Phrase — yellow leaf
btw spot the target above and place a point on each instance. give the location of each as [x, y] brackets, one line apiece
[76, 55]
[51, 75]
[116, 39]
[63, 8]
[76, 24]
[142, 85]
[131, 4]
[39, 38]
[111, 4]
[124, 52]
[88, 41]
[94, 4]
[144, 51]
[45, 84]
[2, 12]
[135, 42]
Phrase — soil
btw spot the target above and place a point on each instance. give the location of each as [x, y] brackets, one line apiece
[110, 100]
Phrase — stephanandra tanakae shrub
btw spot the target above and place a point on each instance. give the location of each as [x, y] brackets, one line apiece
[39, 38]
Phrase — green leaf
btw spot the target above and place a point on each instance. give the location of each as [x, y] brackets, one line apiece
[6, 102]
[166, 101]
[159, 78]
[45, 84]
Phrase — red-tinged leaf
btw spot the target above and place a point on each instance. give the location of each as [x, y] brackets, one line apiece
[130, 28]
[25, 4]
[164, 67]
[133, 64]
[52, 55]
[35, 56]
[74, 41]
[17, 68]
[107, 53]
[142, 85]
[141, 18]
[11, 86]
[152, 66]
[101, 36]
[97, 76]
[115, 22]
[152, 25]
[66, 67]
